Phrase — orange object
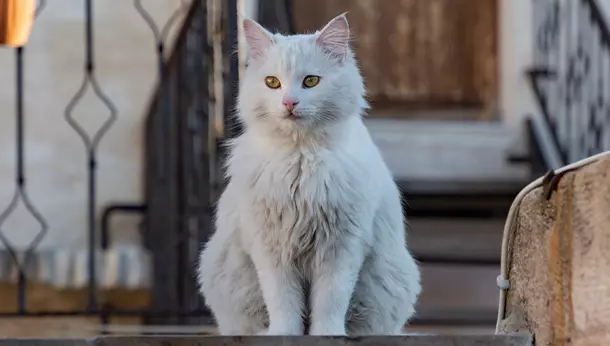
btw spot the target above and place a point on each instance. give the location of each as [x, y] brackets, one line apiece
[16, 19]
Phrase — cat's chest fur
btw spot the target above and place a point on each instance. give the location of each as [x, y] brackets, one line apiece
[298, 202]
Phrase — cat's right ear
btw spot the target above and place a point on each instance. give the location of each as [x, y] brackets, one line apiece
[258, 39]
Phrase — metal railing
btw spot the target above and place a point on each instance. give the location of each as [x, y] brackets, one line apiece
[571, 78]
[21, 191]
[180, 141]
[179, 187]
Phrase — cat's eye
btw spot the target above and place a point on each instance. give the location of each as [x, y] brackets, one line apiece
[311, 81]
[272, 82]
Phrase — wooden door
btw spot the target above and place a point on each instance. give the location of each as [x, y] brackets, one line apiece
[418, 54]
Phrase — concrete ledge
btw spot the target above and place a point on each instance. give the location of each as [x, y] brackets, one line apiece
[411, 340]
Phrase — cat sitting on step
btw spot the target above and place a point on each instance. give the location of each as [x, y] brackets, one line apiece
[311, 224]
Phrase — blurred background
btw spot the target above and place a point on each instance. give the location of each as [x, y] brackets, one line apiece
[114, 113]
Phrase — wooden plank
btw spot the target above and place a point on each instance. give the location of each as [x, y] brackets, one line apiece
[57, 327]
[47, 298]
[419, 340]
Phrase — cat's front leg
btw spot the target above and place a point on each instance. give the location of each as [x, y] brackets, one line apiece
[333, 284]
[283, 294]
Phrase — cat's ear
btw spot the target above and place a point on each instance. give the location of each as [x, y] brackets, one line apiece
[334, 37]
[258, 39]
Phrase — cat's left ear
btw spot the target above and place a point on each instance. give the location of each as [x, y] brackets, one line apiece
[334, 37]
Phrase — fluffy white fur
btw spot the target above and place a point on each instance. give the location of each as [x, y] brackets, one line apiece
[310, 227]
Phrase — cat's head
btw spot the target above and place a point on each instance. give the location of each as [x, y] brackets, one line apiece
[300, 84]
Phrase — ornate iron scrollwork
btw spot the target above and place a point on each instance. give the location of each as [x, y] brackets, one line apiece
[573, 44]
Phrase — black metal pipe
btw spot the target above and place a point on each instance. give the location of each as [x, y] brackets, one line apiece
[89, 35]
[19, 109]
[21, 283]
[91, 165]
[20, 187]
[91, 228]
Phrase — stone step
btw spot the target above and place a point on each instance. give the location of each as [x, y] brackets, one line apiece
[455, 294]
[450, 154]
[410, 340]
[455, 239]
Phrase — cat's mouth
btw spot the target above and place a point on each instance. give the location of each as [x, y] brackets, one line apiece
[292, 115]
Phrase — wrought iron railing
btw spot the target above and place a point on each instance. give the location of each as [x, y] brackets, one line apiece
[21, 191]
[179, 186]
[179, 139]
[571, 77]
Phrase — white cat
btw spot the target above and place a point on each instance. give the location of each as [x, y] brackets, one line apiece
[310, 225]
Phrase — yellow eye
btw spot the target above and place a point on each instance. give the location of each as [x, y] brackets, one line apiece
[273, 82]
[311, 81]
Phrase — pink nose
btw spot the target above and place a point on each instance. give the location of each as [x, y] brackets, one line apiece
[289, 103]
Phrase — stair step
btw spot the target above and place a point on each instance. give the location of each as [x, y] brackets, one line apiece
[458, 295]
[449, 153]
[462, 206]
[454, 113]
[457, 240]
